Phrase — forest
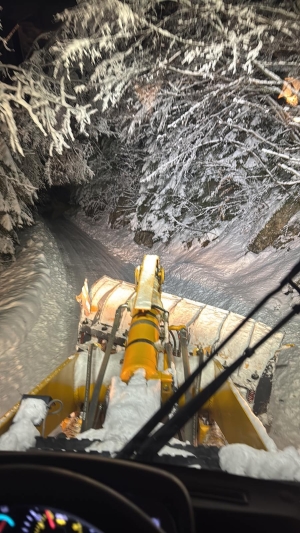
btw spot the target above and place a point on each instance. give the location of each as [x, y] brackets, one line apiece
[173, 117]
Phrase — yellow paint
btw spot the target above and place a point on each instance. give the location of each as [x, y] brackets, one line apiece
[80, 392]
[141, 354]
[202, 431]
[59, 384]
[233, 416]
[141, 349]
[166, 385]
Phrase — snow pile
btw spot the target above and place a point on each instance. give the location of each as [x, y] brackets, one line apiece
[242, 460]
[38, 315]
[33, 409]
[130, 406]
[21, 434]
[20, 296]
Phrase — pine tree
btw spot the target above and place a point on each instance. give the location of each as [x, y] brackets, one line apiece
[167, 109]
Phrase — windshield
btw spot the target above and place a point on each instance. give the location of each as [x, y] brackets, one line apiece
[164, 127]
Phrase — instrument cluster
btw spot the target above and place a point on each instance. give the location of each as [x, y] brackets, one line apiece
[36, 519]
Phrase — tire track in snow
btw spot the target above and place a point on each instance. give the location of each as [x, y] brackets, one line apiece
[86, 257]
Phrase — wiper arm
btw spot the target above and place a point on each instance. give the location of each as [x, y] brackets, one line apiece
[138, 440]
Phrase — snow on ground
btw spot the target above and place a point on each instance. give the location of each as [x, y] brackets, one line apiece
[20, 292]
[36, 325]
[223, 274]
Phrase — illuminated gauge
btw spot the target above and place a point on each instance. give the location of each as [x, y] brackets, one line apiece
[6, 521]
[43, 520]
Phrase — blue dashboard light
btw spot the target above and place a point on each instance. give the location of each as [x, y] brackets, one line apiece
[156, 521]
[7, 519]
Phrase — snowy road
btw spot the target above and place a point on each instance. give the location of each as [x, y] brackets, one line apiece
[84, 257]
[38, 331]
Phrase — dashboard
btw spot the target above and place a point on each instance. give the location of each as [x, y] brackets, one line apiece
[62, 492]
[42, 519]
[36, 519]
[42, 491]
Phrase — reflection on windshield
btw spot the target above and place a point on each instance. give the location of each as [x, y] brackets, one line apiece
[182, 128]
[149, 408]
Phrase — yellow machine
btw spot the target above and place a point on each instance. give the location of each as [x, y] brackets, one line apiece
[125, 328]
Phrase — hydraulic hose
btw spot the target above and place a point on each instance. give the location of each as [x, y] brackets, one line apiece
[94, 400]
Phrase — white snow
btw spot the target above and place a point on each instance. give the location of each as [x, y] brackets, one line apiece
[33, 409]
[224, 274]
[21, 434]
[243, 460]
[130, 406]
[20, 296]
[38, 315]
[285, 399]
[168, 450]
[19, 438]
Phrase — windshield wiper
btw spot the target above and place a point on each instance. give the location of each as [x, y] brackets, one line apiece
[144, 447]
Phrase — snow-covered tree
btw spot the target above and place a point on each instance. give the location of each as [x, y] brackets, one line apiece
[193, 87]
[168, 109]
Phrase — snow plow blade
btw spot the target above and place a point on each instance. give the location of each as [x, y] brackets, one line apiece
[126, 328]
[235, 418]
[58, 384]
[208, 326]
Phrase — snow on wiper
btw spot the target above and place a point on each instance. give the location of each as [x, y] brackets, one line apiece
[143, 446]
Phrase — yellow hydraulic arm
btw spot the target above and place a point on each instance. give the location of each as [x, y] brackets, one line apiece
[143, 342]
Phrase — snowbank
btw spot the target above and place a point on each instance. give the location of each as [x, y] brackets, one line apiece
[20, 296]
[38, 315]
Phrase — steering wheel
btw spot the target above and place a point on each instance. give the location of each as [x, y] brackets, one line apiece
[86, 498]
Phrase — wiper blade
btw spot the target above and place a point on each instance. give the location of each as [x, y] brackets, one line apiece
[139, 440]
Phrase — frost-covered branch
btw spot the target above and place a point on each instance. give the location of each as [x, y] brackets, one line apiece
[170, 109]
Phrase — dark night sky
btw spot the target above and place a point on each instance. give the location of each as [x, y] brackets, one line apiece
[34, 17]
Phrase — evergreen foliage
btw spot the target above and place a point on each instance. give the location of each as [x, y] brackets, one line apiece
[166, 110]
